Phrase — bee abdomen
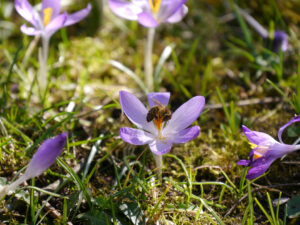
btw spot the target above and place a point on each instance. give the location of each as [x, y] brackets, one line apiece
[152, 114]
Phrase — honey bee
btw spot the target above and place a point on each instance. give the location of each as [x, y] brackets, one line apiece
[159, 112]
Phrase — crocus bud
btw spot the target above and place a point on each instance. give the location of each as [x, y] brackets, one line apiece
[46, 155]
[41, 160]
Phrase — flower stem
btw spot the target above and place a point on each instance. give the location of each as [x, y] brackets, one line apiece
[12, 186]
[148, 59]
[159, 165]
[43, 60]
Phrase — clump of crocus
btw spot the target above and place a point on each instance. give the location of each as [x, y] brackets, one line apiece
[265, 150]
[150, 13]
[157, 127]
[45, 156]
[277, 41]
[45, 24]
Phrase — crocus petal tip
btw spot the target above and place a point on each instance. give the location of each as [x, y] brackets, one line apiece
[245, 129]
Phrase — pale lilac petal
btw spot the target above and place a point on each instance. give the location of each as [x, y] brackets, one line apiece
[280, 131]
[142, 4]
[178, 15]
[55, 24]
[78, 16]
[257, 137]
[46, 155]
[147, 20]
[162, 97]
[28, 13]
[160, 147]
[168, 8]
[135, 111]
[278, 150]
[259, 28]
[54, 5]
[32, 31]
[185, 115]
[185, 135]
[125, 9]
[135, 136]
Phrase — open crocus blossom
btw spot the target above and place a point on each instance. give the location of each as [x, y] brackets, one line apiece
[41, 160]
[158, 127]
[150, 13]
[265, 150]
[49, 20]
[277, 41]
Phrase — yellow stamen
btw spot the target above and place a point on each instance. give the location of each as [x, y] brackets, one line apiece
[47, 16]
[252, 145]
[158, 123]
[155, 5]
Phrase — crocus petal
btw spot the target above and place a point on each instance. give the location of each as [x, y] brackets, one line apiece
[185, 135]
[147, 20]
[162, 97]
[76, 17]
[168, 8]
[160, 147]
[280, 131]
[135, 111]
[55, 24]
[244, 162]
[259, 28]
[125, 9]
[280, 41]
[142, 4]
[28, 13]
[178, 15]
[261, 166]
[278, 150]
[32, 31]
[257, 137]
[185, 115]
[135, 136]
[46, 155]
[54, 5]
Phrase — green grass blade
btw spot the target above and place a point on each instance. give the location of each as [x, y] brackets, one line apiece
[264, 211]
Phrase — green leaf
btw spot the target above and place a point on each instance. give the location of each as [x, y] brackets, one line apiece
[293, 131]
[293, 207]
[132, 211]
[95, 217]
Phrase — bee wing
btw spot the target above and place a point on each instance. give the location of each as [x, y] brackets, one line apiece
[157, 102]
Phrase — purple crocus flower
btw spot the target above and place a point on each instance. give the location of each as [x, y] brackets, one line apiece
[150, 13]
[280, 39]
[49, 20]
[266, 150]
[159, 133]
[45, 156]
